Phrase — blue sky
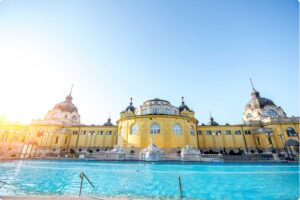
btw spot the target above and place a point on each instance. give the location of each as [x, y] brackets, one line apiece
[204, 50]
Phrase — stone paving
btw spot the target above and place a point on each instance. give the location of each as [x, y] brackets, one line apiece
[59, 198]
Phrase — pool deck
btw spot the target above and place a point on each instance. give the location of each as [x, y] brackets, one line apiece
[60, 198]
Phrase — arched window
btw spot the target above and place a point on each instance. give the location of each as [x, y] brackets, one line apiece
[249, 115]
[74, 117]
[177, 129]
[155, 111]
[271, 112]
[134, 129]
[155, 128]
[192, 131]
[291, 132]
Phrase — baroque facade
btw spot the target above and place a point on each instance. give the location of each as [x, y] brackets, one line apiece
[266, 129]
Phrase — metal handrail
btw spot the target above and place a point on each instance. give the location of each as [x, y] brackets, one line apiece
[180, 188]
[82, 175]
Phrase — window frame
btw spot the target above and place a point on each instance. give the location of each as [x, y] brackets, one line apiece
[153, 129]
[134, 129]
[208, 132]
[177, 129]
[227, 132]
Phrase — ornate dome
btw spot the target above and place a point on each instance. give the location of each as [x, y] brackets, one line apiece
[156, 101]
[130, 107]
[212, 122]
[183, 106]
[258, 102]
[108, 123]
[66, 106]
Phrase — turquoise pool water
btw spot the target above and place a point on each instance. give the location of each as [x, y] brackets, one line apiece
[230, 181]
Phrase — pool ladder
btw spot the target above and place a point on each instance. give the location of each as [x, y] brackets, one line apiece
[180, 188]
[82, 176]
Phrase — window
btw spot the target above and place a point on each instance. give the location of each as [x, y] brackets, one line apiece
[155, 128]
[218, 132]
[74, 117]
[177, 129]
[192, 131]
[208, 132]
[83, 132]
[199, 132]
[92, 132]
[108, 132]
[75, 132]
[291, 132]
[247, 132]
[155, 111]
[238, 132]
[227, 132]
[134, 129]
[271, 112]
[100, 132]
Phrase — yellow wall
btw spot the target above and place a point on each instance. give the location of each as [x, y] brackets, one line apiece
[165, 139]
[67, 137]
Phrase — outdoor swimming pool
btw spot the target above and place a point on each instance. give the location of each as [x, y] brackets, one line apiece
[152, 180]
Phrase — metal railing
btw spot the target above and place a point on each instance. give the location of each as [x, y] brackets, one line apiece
[180, 188]
[82, 175]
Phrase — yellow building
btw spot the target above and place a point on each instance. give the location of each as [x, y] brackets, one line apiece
[171, 130]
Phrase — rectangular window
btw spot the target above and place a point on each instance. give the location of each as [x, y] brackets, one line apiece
[75, 132]
[247, 132]
[155, 111]
[92, 132]
[100, 132]
[238, 132]
[199, 132]
[227, 132]
[83, 132]
[108, 132]
[208, 132]
[192, 132]
[218, 132]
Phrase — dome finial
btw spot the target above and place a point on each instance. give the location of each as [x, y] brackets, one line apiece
[71, 90]
[109, 115]
[182, 100]
[252, 84]
[130, 100]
